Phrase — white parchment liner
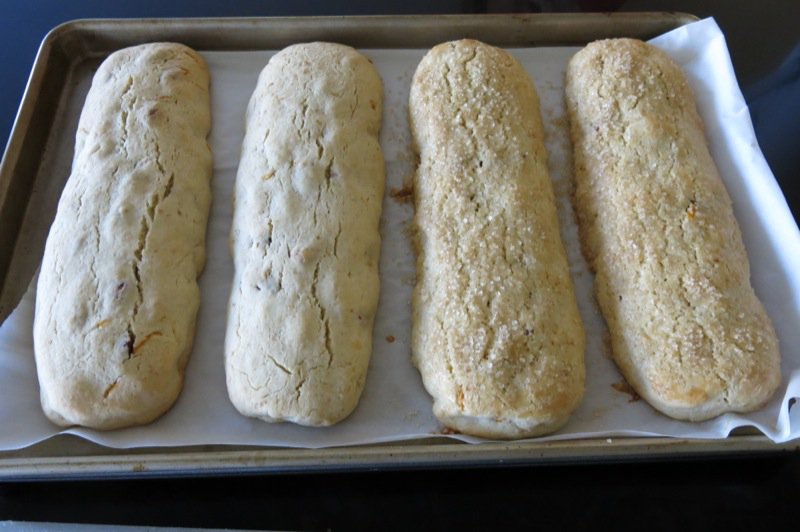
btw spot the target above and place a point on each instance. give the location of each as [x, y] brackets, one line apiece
[394, 405]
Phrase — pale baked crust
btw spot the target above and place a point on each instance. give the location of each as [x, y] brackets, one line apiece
[672, 274]
[305, 238]
[496, 332]
[117, 294]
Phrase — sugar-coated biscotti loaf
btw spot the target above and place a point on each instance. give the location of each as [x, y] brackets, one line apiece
[117, 294]
[496, 333]
[305, 237]
[672, 276]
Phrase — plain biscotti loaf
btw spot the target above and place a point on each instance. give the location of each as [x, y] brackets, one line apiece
[305, 237]
[117, 294]
[672, 275]
[496, 333]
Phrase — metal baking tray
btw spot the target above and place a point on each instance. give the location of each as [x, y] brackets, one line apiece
[32, 176]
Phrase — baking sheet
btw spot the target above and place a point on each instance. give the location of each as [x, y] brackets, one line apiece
[394, 406]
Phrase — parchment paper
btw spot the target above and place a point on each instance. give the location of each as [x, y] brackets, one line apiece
[394, 405]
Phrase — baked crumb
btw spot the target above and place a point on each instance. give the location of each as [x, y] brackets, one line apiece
[405, 194]
[607, 344]
[624, 387]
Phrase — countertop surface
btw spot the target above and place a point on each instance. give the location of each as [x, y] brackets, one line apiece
[735, 493]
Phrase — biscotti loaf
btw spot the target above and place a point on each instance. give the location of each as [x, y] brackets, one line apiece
[657, 226]
[117, 294]
[496, 333]
[305, 238]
